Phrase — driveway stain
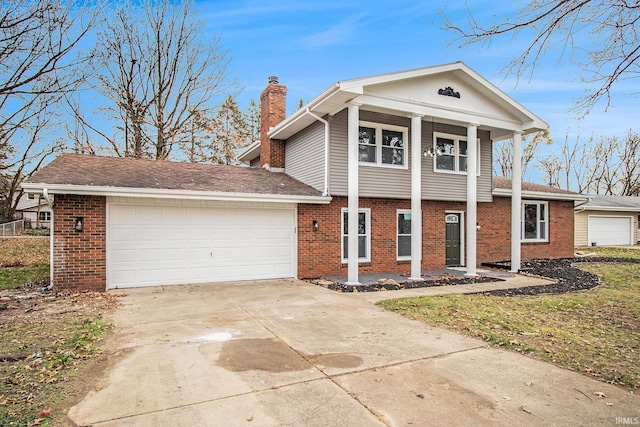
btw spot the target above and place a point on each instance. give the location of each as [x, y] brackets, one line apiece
[263, 354]
[336, 360]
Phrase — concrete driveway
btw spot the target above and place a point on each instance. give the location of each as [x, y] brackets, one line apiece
[274, 353]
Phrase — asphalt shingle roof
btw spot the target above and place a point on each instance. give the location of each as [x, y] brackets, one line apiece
[601, 201]
[505, 183]
[87, 170]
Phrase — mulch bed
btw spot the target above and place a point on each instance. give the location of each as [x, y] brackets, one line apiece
[568, 277]
[444, 280]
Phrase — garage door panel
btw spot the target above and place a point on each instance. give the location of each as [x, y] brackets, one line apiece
[122, 216]
[148, 215]
[124, 277]
[605, 230]
[159, 244]
[198, 216]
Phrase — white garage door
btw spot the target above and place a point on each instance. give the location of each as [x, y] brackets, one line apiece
[610, 230]
[165, 245]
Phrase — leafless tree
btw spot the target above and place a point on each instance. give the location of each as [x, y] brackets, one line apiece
[31, 156]
[599, 35]
[156, 70]
[551, 167]
[503, 153]
[40, 61]
[607, 166]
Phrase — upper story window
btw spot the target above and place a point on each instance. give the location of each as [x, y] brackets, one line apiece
[452, 153]
[382, 145]
[534, 223]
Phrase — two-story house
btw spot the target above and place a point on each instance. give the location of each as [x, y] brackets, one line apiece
[384, 173]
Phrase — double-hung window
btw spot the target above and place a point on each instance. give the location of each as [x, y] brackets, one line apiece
[382, 145]
[452, 153]
[45, 216]
[534, 222]
[404, 235]
[364, 235]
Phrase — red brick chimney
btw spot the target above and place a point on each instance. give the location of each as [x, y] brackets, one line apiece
[273, 106]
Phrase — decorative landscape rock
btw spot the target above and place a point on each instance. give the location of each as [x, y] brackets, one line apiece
[569, 278]
[392, 285]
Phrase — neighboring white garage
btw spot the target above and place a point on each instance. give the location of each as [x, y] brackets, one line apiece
[610, 230]
[153, 242]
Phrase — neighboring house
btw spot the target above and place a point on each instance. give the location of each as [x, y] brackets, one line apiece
[375, 174]
[34, 210]
[607, 220]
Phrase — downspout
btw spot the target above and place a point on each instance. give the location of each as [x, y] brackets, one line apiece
[325, 192]
[582, 204]
[45, 193]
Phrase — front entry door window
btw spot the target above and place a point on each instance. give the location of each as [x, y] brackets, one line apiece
[452, 223]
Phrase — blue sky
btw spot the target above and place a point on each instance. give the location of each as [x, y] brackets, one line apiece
[312, 44]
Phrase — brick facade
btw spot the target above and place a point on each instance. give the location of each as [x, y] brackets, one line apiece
[319, 251]
[79, 257]
[273, 110]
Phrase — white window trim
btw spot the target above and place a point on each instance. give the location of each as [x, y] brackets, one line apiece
[367, 212]
[546, 221]
[398, 212]
[456, 139]
[379, 127]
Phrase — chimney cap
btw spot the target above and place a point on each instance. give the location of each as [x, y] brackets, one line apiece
[273, 80]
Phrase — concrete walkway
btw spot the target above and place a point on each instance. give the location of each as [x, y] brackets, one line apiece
[275, 353]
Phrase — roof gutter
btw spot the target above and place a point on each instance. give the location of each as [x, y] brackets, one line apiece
[539, 195]
[325, 192]
[172, 194]
[580, 206]
[301, 113]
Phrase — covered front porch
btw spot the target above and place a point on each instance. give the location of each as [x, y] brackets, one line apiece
[475, 105]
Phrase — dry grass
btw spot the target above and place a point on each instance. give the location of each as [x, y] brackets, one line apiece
[596, 332]
[24, 251]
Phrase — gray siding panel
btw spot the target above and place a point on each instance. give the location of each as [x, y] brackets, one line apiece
[304, 156]
[447, 186]
[396, 183]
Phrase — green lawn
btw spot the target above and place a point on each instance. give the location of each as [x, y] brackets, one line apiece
[15, 277]
[596, 332]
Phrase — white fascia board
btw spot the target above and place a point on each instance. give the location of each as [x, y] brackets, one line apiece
[350, 85]
[173, 194]
[535, 121]
[251, 152]
[460, 116]
[610, 208]
[539, 195]
[332, 90]
[533, 125]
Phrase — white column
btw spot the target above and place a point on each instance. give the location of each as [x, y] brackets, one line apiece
[416, 197]
[352, 142]
[472, 197]
[516, 201]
